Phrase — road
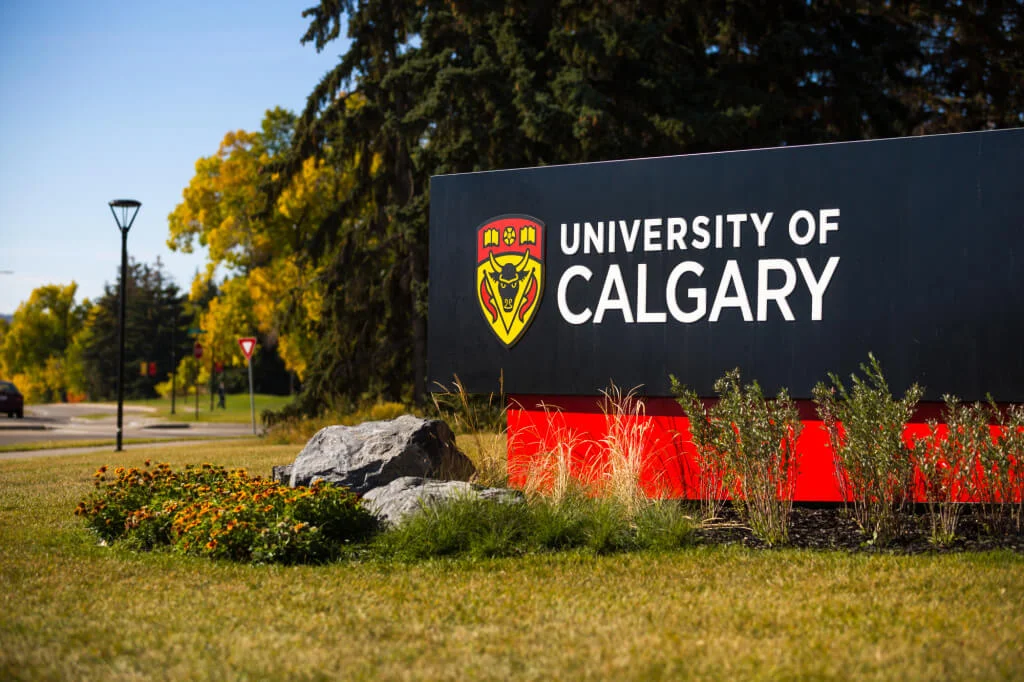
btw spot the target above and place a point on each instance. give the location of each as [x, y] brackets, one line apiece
[98, 421]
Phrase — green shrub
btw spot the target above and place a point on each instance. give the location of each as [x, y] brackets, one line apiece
[997, 480]
[874, 463]
[750, 443]
[945, 459]
[711, 467]
[209, 511]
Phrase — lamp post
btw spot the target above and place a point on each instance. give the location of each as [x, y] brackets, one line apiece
[124, 211]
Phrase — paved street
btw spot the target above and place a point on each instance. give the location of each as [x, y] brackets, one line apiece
[94, 421]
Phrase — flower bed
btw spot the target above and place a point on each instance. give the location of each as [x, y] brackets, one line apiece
[209, 511]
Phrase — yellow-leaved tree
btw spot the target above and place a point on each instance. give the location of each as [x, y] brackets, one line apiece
[36, 348]
[268, 287]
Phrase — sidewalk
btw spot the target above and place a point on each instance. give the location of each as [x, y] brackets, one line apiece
[127, 447]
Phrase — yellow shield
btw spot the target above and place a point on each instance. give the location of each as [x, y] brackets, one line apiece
[510, 274]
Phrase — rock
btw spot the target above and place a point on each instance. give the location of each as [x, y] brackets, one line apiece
[373, 454]
[404, 496]
[281, 474]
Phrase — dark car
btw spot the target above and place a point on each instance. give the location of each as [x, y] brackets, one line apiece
[11, 400]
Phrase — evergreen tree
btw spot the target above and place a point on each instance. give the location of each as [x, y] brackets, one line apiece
[428, 87]
[156, 326]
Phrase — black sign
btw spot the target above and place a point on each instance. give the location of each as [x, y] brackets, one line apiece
[789, 263]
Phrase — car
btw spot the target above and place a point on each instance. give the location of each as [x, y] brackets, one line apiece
[11, 400]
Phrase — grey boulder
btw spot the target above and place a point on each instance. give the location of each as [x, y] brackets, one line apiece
[405, 496]
[281, 473]
[374, 454]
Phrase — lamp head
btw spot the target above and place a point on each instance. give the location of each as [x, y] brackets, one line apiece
[124, 211]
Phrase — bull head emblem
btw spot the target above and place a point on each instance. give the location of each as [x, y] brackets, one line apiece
[509, 273]
[509, 277]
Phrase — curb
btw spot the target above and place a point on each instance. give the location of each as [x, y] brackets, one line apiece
[168, 425]
[24, 427]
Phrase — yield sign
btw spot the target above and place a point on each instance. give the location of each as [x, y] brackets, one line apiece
[248, 344]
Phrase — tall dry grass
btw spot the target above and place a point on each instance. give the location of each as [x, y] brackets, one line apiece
[627, 448]
[612, 466]
[480, 425]
[298, 430]
[550, 471]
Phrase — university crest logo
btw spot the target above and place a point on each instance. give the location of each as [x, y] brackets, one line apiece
[509, 273]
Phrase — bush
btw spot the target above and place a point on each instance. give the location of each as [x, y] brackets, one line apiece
[209, 511]
[873, 462]
[749, 443]
[997, 480]
[945, 459]
[711, 467]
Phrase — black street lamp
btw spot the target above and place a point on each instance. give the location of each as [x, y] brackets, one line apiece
[124, 211]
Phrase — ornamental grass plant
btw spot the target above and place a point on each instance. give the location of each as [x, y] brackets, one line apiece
[601, 508]
[482, 420]
[550, 471]
[626, 449]
[486, 529]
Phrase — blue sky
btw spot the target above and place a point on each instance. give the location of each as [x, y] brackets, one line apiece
[104, 100]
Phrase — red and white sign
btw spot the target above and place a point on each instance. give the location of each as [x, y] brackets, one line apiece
[197, 350]
[248, 345]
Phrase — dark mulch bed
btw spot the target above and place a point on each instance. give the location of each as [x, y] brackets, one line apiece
[830, 527]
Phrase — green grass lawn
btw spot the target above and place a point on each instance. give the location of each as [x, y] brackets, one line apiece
[237, 409]
[75, 610]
